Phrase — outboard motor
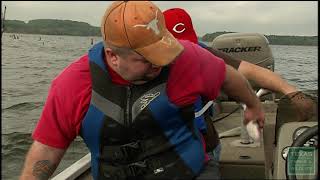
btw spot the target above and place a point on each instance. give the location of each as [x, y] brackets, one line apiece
[251, 47]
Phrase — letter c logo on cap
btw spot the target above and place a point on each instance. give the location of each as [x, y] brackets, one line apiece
[178, 31]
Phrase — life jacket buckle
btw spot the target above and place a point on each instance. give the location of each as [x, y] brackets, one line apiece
[137, 168]
[130, 150]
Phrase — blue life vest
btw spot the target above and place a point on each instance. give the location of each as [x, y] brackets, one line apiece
[200, 121]
[136, 132]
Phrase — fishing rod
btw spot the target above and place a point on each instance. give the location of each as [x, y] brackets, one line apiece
[3, 19]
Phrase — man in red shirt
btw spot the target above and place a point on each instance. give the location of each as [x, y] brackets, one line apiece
[131, 99]
[180, 25]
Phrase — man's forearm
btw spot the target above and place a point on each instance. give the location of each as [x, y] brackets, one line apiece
[261, 76]
[41, 162]
[265, 78]
[237, 87]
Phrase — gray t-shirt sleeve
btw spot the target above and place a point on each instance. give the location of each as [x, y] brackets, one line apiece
[234, 62]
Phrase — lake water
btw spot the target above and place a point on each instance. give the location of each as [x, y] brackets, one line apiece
[29, 64]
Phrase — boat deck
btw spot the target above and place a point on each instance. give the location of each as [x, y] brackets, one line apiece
[247, 161]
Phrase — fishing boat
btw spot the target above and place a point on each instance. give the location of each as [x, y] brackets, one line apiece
[274, 154]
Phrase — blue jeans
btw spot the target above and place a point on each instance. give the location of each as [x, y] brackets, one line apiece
[211, 171]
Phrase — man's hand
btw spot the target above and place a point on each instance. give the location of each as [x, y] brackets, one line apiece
[237, 87]
[302, 105]
[254, 113]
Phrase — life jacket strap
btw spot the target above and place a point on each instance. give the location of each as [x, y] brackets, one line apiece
[135, 151]
[151, 167]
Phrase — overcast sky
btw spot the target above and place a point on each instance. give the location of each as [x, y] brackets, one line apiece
[266, 17]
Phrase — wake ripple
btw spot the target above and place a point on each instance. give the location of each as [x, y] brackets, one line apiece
[25, 106]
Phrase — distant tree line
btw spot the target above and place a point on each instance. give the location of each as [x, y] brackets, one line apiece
[75, 28]
[52, 27]
[274, 39]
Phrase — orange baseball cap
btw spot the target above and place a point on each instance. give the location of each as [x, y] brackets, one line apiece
[179, 23]
[140, 26]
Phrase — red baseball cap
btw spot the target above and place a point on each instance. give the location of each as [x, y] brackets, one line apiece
[179, 23]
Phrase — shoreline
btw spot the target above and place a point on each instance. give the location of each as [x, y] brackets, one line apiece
[206, 42]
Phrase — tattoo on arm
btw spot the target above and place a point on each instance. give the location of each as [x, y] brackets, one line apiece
[43, 169]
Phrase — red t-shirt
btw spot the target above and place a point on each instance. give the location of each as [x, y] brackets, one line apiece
[195, 72]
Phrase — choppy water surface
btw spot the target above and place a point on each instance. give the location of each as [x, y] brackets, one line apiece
[29, 65]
